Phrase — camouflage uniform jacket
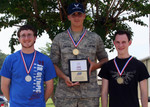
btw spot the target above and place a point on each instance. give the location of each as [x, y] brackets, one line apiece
[91, 46]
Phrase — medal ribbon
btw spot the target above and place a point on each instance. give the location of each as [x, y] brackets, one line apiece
[28, 71]
[73, 41]
[120, 73]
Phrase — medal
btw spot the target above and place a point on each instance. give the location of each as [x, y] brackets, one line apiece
[75, 51]
[28, 78]
[120, 79]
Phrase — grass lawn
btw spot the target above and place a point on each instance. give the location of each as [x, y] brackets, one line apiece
[49, 103]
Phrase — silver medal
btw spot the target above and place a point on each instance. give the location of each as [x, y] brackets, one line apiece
[28, 78]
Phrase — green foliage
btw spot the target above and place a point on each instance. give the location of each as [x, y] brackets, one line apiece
[46, 50]
[103, 16]
[2, 58]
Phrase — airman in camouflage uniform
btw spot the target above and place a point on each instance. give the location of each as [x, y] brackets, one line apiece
[91, 47]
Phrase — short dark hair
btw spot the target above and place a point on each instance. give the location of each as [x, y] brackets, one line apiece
[27, 27]
[120, 32]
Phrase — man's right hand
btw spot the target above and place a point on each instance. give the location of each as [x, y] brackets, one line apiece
[69, 83]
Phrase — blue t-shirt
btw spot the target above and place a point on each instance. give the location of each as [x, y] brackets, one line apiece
[23, 93]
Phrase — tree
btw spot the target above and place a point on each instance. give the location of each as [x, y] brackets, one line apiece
[2, 58]
[46, 50]
[103, 16]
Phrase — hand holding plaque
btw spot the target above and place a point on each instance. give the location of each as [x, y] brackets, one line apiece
[79, 70]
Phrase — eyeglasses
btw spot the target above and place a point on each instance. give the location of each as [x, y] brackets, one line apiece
[26, 36]
[77, 14]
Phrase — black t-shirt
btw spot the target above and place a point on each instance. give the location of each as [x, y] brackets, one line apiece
[125, 94]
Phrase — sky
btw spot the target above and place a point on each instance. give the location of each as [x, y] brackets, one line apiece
[139, 47]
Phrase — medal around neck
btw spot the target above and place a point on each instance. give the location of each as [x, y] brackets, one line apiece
[28, 78]
[75, 51]
[120, 80]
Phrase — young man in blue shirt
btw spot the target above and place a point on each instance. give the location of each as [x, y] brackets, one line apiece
[24, 73]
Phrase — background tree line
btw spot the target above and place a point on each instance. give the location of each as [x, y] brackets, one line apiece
[50, 16]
